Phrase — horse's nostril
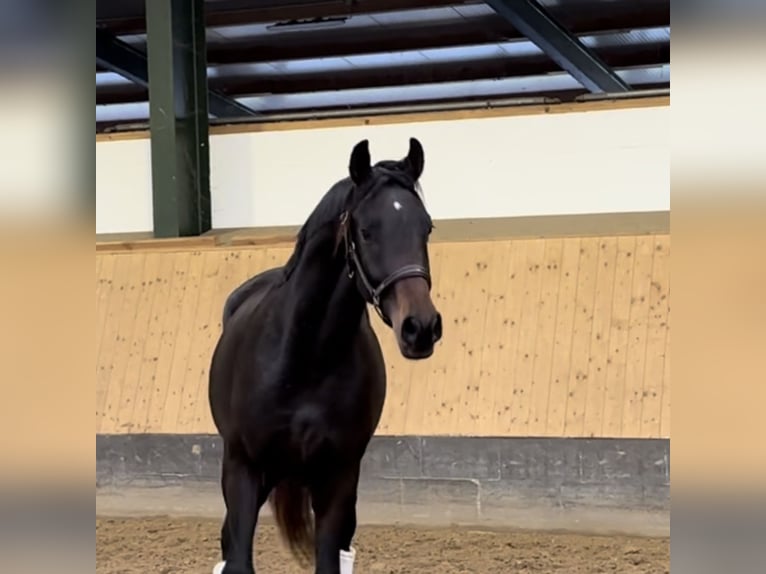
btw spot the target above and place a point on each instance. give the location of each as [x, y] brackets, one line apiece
[436, 328]
[410, 329]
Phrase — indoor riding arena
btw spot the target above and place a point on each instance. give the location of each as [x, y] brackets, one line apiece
[536, 437]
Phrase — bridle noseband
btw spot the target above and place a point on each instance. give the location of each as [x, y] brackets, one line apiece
[354, 265]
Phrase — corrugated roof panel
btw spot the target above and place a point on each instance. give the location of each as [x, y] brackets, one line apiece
[515, 48]
[478, 10]
[441, 14]
[111, 79]
[560, 81]
[135, 112]
[637, 37]
[510, 87]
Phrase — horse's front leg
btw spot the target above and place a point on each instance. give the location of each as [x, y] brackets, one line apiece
[334, 502]
[245, 492]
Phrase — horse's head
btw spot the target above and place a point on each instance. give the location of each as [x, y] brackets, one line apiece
[386, 229]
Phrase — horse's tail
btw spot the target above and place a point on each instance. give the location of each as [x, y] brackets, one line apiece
[291, 504]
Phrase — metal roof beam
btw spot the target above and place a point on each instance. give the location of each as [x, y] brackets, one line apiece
[532, 20]
[125, 60]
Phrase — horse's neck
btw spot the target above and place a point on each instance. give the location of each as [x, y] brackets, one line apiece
[322, 303]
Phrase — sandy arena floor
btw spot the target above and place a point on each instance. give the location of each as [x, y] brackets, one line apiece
[164, 545]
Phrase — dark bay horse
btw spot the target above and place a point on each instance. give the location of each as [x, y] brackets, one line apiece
[297, 379]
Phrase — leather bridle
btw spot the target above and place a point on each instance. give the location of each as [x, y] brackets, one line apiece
[354, 266]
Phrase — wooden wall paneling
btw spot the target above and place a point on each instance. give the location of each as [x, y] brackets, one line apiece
[542, 359]
[170, 317]
[106, 304]
[183, 340]
[536, 319]
[399, 380]
[577, 395]
[666, 387]
[201, 347]
[276, 257]
[510, 319]
[233, 268]
[443, 393]
[598, 352]
[104, 288]
[655, 342]
[131, 382]
[401, 376]
[561, 360]
[614, 400]
[490, 376]
[464, 418]
[120, 332]
[121, 350]
[151, 390]
[408, 381]
[527, 326]
[636, 355]
[417, 383]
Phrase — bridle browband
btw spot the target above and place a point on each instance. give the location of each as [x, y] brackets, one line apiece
[354, 263]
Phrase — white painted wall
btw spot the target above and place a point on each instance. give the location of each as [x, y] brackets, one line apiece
[585, 162]
[123, 186]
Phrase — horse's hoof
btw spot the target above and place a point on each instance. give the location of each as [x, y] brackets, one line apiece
[347, 561]
[218, 568]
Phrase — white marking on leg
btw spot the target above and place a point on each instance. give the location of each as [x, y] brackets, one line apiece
[397, 205]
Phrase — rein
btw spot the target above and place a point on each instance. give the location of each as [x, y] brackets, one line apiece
[354, 265]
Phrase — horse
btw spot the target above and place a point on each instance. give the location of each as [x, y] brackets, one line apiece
[297, 378]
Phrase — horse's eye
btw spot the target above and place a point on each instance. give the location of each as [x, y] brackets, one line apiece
[365, 234]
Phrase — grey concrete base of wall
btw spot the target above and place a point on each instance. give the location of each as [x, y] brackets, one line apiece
[581, 485]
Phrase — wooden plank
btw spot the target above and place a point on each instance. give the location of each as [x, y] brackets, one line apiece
[562, 344]
[203, 337]
[419, 382]
[104, 288]
[598, 353]
[170, 320]
[577, 394]
[178, 374]
[171, 243]
[523, 373]
[651, 412]
[542, 360]
[131, 382]
[510, 319]
[406, 380]
[490, 377]
[234, 267]
[148, 386]
[614, 400]
[447, 231]
[413, 117]
[464, 418]
[123, 338]
[455, 353]
[106, 357]
[666, 388]
[636, 354]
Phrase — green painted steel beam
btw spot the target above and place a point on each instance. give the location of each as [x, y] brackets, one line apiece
[178, 117]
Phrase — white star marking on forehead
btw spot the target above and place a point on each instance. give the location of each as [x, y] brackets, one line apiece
[397, 205]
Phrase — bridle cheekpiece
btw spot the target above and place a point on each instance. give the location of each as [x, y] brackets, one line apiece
[354, 266]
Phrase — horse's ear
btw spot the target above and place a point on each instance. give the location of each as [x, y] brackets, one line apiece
[415, 159]
[359, 166]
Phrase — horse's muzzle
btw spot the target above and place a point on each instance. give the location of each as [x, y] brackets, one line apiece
[415, 321]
